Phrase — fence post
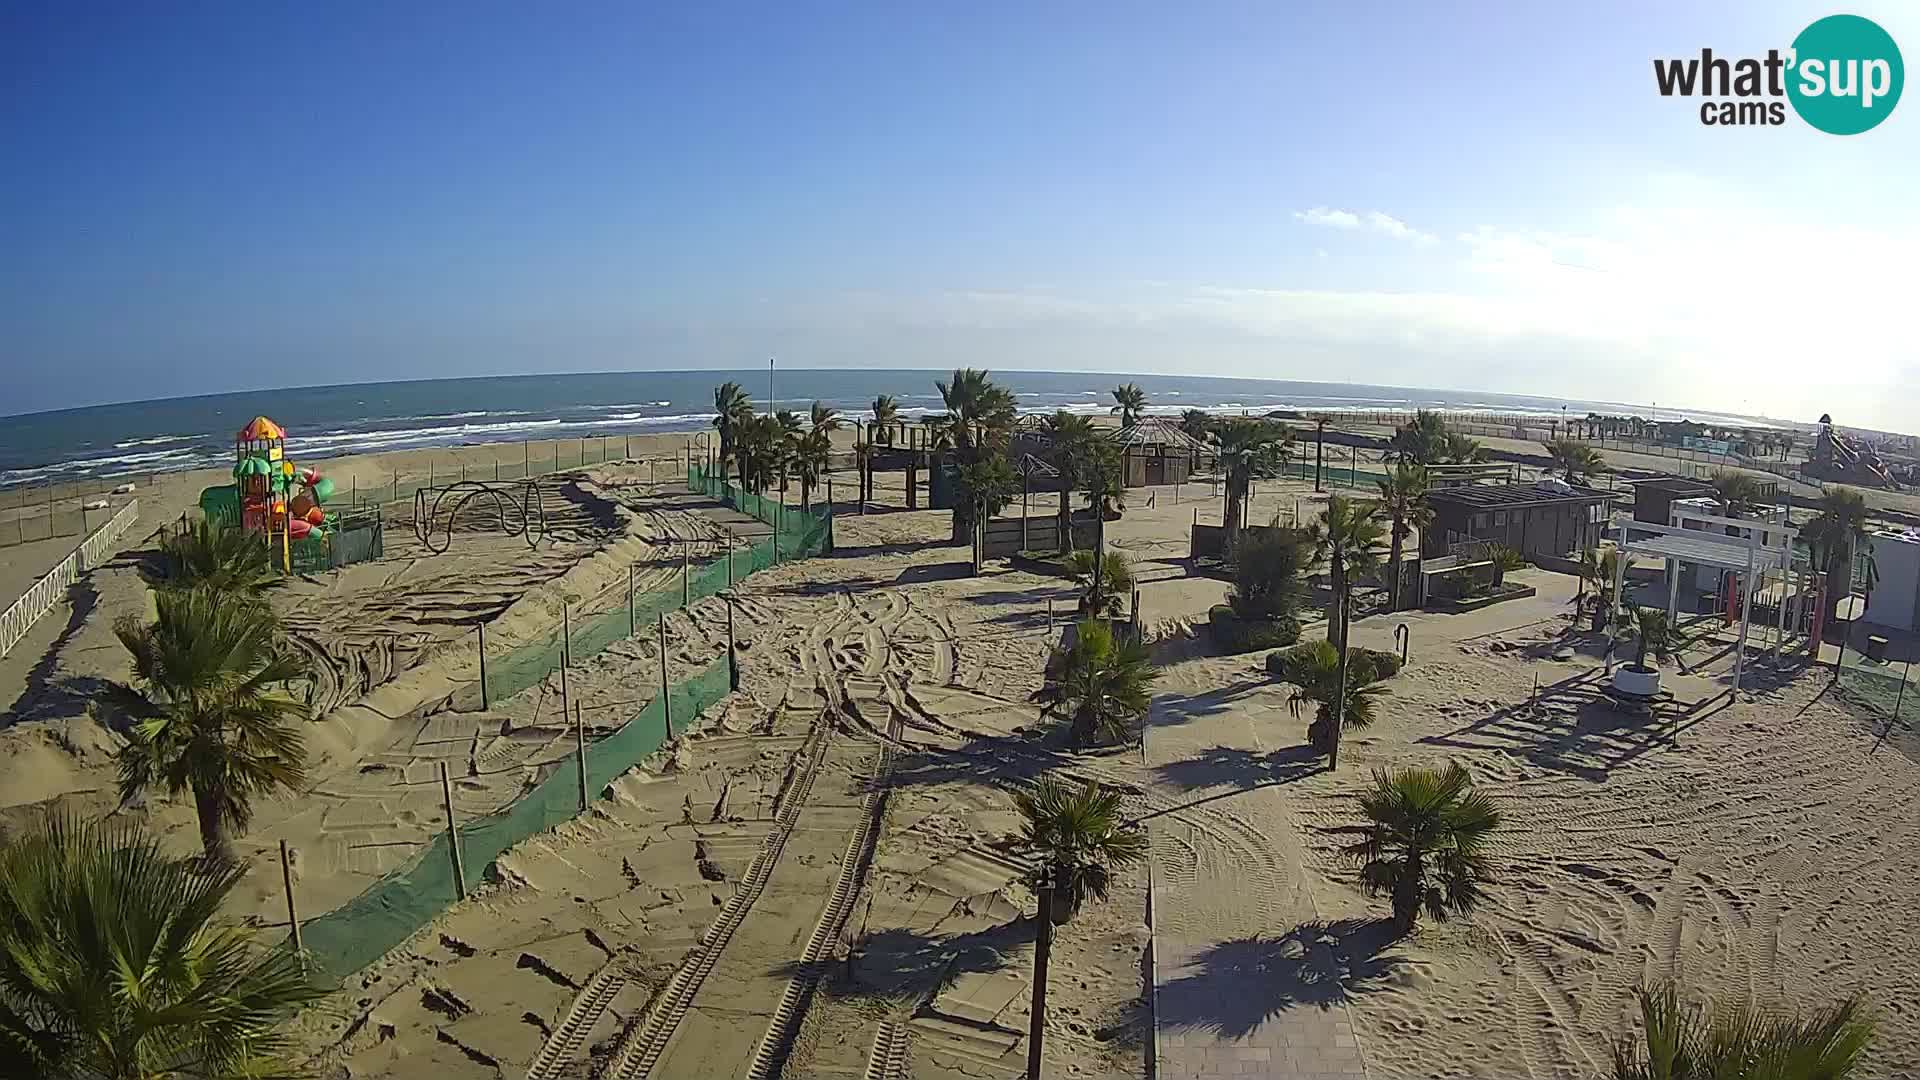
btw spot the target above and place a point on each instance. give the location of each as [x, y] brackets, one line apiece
[485, 702]
[733, 655]
[526, 455]
[566, 636]
[429, 470]
[631, 628]
[1195, 532]
[1134, 612]
[293, 917]
[396, 486]
[453, 833]
[729, 558]
[580, 750]
[686, 596]
[1049, 616]
[666, 705]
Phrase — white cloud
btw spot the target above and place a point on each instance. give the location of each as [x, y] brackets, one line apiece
[1326, 218]
[1372, 220]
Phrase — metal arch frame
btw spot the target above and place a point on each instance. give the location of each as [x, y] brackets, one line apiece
[529, 511]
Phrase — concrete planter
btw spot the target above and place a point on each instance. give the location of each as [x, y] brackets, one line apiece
[1640, 682]
[1475, 603]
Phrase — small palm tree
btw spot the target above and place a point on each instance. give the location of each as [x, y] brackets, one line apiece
[1403, 499]
[1655, 633]
[1313, 670]
[1426, 843]
[1833, 537]
[1130, 402]
[732, 408]
[1248, 449]
[811, 454]
[1574, 458]
[1100, 685]
[1597, 570]
[1349, 539]
[112, 964]
[1737, 491]
[1420, 441]
[1678, 1041]
[209, 709]
[1102, 594]
[214, 555]
[1102, 482]
[1077, 840]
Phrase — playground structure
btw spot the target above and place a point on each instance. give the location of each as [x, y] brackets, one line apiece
[524, 515]
[1835, 457]
[284, 503]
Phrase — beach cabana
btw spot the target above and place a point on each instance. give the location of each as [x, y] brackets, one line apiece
[1156, 451]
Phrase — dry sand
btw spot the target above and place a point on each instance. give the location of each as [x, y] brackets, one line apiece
[823, 869]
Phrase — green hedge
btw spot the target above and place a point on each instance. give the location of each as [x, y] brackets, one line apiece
[1363, 665]
[1233, 634]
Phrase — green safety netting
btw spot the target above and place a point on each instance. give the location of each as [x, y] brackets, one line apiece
[379, 919]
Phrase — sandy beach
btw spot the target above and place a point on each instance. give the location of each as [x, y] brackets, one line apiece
[820, 876]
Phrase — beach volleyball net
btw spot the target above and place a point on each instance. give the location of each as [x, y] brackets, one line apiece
[380, 919]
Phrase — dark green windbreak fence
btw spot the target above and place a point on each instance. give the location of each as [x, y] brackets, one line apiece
[378, 920]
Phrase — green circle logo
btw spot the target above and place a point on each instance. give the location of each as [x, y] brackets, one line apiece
[1845, 74]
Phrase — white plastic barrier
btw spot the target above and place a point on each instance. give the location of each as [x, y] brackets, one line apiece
[96, 549]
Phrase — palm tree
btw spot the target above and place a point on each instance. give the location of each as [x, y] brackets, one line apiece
[1130, 402]
[759, 447]
[1100, 685]
[886, 413]
[1248, 449]
[1267, 571]
[823, 417]
[811, 454]
[1461, 450]
[732, 408]
[792, 428]
[1077, 840]
[1678, 1041]
[1575, 458]
[1833, 537]
[1420, 441]
[1197, 423]
[1102, 481]
[1072, 438]
[1101, 594]
[112, 965]
[1786, 441]
[209, 710]
[1597, 570]
[1426, 842]
[979, 415]
[1403, 499]
[214, 555]
[1350, 540]
[1737, 491]
[1313, 670]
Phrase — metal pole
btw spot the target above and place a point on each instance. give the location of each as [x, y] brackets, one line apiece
[453, 833]
[666, 704]
[685, 588]
[293, 917]
[580, 750]
[1884, 732]
[729, 558]
[1049, 615]
[1619, 582]
[1746, 617]
[566, 636]
[630, 627]
[485, 701]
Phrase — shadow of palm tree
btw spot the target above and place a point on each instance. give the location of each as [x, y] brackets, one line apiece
[1231, 988]
[1170, 709]
[1244, 769]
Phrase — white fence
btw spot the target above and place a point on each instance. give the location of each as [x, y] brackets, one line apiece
[46, 593]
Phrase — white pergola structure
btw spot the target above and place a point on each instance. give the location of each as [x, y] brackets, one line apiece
[1745, 554]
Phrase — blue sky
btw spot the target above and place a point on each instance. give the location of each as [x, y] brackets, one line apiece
[197, 198]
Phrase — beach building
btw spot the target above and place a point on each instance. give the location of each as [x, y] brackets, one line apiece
[1894, 600]
[1549, 518]
[1156, 451]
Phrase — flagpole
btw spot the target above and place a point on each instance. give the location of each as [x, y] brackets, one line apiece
[769, 386]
